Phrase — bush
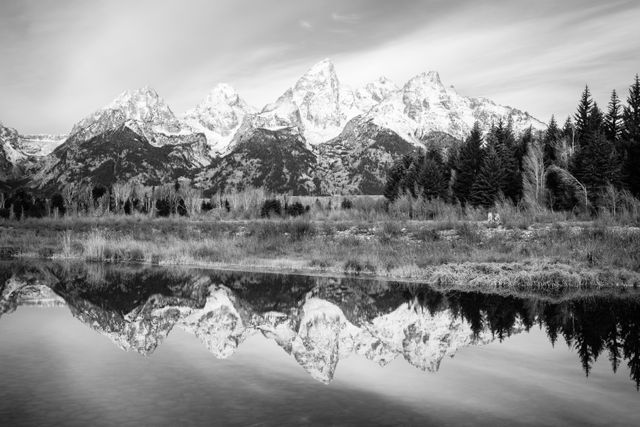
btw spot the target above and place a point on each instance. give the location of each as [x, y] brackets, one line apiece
[207, 206]
[163, 207]
[296, 209]
[271, 207]
[346, 204]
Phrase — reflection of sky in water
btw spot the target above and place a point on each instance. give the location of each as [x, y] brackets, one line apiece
[56, 370]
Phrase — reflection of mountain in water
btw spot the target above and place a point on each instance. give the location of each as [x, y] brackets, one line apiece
[319, 320]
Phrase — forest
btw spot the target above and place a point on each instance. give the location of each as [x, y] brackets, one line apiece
[589, 164]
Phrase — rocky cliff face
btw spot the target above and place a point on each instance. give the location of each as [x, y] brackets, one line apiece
[10, 156]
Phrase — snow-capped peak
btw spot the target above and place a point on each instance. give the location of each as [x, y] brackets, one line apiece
[312, 105]
[425, 105]
[321, 68]
[317, 95]
[142, 110]
[219, 116]
[223, 93]
[428, 78]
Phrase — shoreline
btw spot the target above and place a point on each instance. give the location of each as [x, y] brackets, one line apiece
[466, 255]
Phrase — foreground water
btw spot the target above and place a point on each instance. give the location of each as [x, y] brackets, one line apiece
[99, 345]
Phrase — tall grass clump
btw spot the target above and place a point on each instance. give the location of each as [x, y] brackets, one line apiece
[95, 246]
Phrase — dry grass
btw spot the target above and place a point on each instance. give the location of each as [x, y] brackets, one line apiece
[560, 254]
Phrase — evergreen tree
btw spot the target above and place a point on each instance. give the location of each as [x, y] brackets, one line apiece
[502, 139]
[469, 162]
[582, 117]
[613, 119]
[550, 142]
[596, 165]
[392, 185]
[432, 178]
[631, 138]
[596, 120]
[486, 187]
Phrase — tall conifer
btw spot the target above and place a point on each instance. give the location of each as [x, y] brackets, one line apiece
[613, 119]
[469, 162]
[550, 142]
[631, 138]
[486, 187]
[582, 117]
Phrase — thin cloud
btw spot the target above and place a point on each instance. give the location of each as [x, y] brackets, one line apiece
[305, 24]
[345, 19]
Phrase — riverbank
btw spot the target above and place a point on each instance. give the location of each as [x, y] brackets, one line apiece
[460, 254]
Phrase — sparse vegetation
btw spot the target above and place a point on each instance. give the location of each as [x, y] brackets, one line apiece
[529, 252]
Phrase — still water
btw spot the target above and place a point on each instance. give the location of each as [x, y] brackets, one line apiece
[103, 345]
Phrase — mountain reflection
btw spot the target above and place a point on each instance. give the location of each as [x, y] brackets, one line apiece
[319, 321]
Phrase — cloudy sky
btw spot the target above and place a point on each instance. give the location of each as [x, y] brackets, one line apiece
[64, 59]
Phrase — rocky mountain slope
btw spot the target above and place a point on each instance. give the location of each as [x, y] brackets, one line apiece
[278, 160]
[114, 156]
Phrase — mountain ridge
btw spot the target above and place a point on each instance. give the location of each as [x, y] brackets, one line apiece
[339, 139]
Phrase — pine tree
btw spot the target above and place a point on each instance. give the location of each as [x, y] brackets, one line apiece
[432, 178]
[392, 185]
[549, 143]
[596, 166]
[596, 120]
[613, 119]
[631, 138]
[582, 117]
[503, 141]
[486, 187]
[469, 162]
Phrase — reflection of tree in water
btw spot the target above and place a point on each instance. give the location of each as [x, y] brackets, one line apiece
[590, 326]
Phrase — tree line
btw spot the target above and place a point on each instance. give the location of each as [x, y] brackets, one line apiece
[177, 198]
[590, 162]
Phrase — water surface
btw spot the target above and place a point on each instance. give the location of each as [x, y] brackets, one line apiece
[103, 345]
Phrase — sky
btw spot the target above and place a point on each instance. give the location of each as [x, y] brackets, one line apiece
[63, 59]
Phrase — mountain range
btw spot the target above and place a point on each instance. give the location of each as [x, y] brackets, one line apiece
[319, 137]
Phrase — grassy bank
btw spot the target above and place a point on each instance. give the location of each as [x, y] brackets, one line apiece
[471, 253]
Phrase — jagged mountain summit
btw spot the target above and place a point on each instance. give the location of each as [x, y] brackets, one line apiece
[142, 111]
[318, 106]
[219, 116]
[424, 105]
